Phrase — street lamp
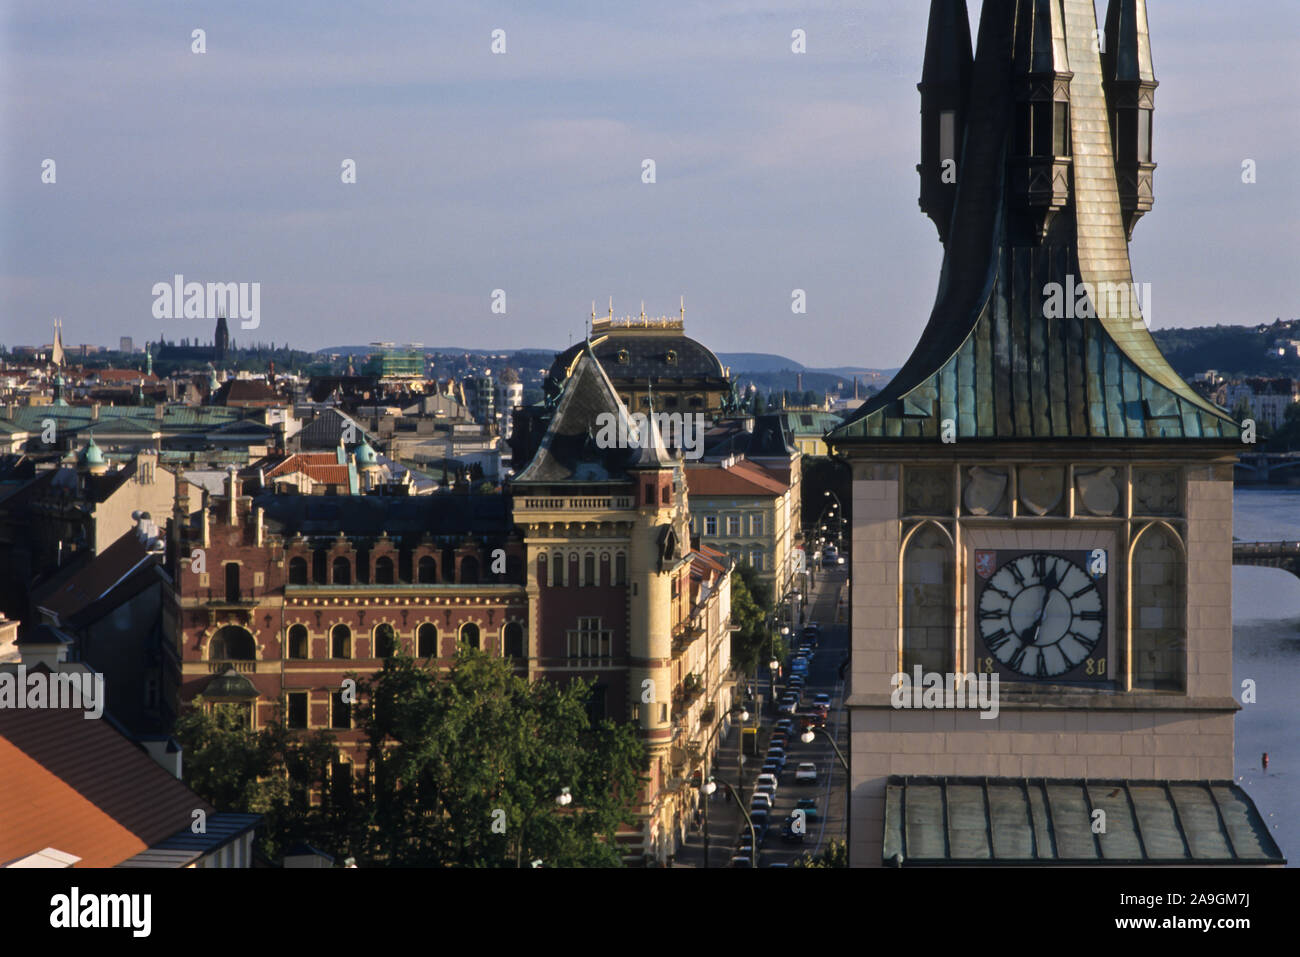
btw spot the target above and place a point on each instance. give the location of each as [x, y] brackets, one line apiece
[564, 798]
[809, 735]
[712, 785]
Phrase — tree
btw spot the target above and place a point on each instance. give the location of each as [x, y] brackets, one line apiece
[270, 771]
[835, 855]
[468, 766]
[751, 610]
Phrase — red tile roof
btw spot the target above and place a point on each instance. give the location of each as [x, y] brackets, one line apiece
[79, 786]
[317, 466]
[743, 478]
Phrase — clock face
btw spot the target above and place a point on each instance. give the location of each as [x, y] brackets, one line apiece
[1042, 615]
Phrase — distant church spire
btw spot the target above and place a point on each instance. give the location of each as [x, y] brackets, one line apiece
[56, 353]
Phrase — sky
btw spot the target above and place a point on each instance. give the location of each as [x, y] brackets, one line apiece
[522, 171]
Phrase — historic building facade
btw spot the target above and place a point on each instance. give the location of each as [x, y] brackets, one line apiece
[1037, 496]
[278, 597]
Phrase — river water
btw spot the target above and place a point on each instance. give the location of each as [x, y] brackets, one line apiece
[1266, 648]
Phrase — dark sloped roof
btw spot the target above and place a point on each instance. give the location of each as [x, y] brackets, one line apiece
[972, 821]
[990, 359]
[105, 571]
[82, 787]
[184, 847]
[370, 515]
[569, 451]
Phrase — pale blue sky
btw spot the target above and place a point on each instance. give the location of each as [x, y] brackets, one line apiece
[522, 171]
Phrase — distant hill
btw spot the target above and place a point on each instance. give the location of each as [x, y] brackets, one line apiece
[1230, 350]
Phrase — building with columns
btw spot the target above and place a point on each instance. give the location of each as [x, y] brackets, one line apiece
[1037, 496]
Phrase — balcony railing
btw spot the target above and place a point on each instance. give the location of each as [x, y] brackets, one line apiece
[242, 665]
[563, 503]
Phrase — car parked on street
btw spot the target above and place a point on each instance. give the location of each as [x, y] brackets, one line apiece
[773, 768]
[806, 773]
[762, 801]
[741, 861]
[767, 778]
[822, 698]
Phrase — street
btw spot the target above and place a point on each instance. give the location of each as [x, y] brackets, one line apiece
[725, 822]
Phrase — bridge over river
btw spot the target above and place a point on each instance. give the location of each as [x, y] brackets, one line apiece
[1284, 555]
[1280, 467]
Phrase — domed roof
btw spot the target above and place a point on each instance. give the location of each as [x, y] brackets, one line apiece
[659, 349]
[91, 455]
[365, 454]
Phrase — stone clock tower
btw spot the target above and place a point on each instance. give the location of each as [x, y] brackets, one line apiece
[1037, 495]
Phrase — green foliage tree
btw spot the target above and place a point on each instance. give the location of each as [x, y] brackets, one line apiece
[751, 611]
[468, 767]
[835, 855]
[269, 771]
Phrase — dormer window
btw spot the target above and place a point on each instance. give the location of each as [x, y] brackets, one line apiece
[671, 357]
[624, 357]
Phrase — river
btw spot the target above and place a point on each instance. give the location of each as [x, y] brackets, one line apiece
[1266, 648]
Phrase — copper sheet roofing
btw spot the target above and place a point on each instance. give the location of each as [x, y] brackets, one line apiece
[955, 821]
[81, 787]
[991, 359]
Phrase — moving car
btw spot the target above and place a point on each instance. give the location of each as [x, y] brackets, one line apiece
[809, 808]
[822, 698]
[806, 773]
[773, 768]
[741, 861]
[762, 801]
[790, 836]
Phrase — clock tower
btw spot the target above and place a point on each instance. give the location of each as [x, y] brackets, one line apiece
[1041, 506]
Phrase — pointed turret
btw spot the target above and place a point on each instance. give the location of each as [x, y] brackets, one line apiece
[1130, 82]
[944, 86]
[1040, 149]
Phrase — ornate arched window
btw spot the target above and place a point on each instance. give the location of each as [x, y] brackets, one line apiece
[426, 640]
[342, 571]
[469, 634]
[512, 637]
[298, 570]
[929, 613]
[428, 570]
[298, 641]
[232, 643]
[341, 641]
[385, 640]
[384, 571]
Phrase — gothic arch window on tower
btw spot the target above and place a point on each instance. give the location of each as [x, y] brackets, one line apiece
[1157, 599]
[929, 606]
[297, 570]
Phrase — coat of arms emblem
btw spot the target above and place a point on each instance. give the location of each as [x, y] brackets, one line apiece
[985, 563]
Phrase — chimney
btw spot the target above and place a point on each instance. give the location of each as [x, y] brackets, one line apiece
[94, 411]
[257, 513]
[232, 495]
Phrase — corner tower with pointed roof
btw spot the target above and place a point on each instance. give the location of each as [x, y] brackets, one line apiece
[606, 524]
[1038, 496]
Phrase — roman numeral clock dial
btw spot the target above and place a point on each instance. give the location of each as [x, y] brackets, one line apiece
[1042, 615]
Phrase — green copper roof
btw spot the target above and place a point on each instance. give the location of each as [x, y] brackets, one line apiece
[993, 359]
